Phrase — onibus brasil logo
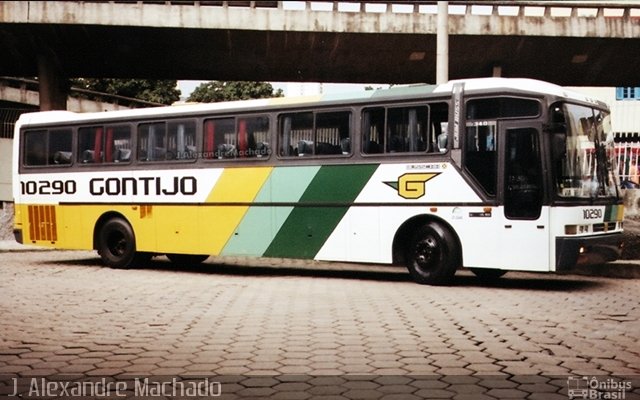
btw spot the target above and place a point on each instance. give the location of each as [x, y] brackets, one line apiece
[412, 185]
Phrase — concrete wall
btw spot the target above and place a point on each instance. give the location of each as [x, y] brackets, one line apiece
[632, 203]
[5, 169]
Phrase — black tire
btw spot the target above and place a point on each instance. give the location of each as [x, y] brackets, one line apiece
[187, 259]
[488, 274]
[117, 245]
[433, 255]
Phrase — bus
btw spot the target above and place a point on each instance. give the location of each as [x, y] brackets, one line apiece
[490, 174]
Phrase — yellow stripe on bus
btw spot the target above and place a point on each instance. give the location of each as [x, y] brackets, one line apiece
[236, 185]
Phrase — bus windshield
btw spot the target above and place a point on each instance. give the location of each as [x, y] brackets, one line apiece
[583, 152]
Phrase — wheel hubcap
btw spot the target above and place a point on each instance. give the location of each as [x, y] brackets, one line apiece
[117, 244]
[426, 252]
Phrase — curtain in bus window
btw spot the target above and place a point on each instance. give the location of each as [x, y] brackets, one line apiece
[89, 145]
[296, 134]
[407, 129]
[242, 138]
[373, 131]
[257, 136]
[108, 149]
[209, 139]
[97, 146]
[181, 142]
[152, 142]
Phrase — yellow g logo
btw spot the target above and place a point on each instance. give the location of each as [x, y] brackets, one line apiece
[412, 185]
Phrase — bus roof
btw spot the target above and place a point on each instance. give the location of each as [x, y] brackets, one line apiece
[394, 92]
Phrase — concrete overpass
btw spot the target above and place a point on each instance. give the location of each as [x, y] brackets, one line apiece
[570, 43]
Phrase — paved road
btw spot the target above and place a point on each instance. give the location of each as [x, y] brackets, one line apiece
[286, 329]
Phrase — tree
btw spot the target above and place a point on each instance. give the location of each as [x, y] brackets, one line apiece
[215, 91]
[157, 91]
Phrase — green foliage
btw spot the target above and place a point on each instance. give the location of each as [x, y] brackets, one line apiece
[157, 91]
[215, 91]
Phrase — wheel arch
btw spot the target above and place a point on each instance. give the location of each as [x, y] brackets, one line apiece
[405, 233]
[102, 220]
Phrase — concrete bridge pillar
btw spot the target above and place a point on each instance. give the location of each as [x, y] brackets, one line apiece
[53, 84]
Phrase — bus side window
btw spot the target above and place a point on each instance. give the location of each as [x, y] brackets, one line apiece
[48, 147]
[373, 130]
[152, 142]
[60, 150]
[181, 141]
[253, 134]
[296, 134]
[35, 148]
[332, 131]
[118, 144]
[220, 139]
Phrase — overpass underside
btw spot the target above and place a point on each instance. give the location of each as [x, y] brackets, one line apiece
[568, 43]
[225, 54]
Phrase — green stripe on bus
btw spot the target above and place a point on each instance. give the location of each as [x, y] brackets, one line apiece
[260, 224]
[308, 226]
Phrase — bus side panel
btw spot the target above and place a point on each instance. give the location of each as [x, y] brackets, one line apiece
[235, 188]
[322, 206]
[262, 222]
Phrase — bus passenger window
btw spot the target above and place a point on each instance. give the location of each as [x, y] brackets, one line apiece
[323, 133]
[48, 147]
[35, 148]
[253, 137]
[332, 133]
[414, 129]
[60, 151]
[220, 139]
[373, 131]
[407, 129]
[99, 144]
[152, 144]
[296, 134]
[90, 144]
[118, 144]
[181, 140]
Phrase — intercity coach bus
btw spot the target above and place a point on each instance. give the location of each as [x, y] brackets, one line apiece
[492, 174]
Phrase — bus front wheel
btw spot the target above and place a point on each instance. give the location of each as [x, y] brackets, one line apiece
[433, 255]
[117, 245]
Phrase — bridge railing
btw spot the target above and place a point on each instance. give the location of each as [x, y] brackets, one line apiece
[554, 9]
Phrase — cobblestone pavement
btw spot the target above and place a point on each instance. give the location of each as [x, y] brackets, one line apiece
[302, 330]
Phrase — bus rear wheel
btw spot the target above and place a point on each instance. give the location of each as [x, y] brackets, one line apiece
[117, 245]
[187, 259]
[433, 255]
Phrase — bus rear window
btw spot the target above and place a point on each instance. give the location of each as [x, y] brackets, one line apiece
[52, 147]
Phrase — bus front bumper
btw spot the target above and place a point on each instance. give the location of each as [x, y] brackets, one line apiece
[587, 250]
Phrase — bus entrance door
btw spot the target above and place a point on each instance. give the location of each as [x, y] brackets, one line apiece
[525, 227]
